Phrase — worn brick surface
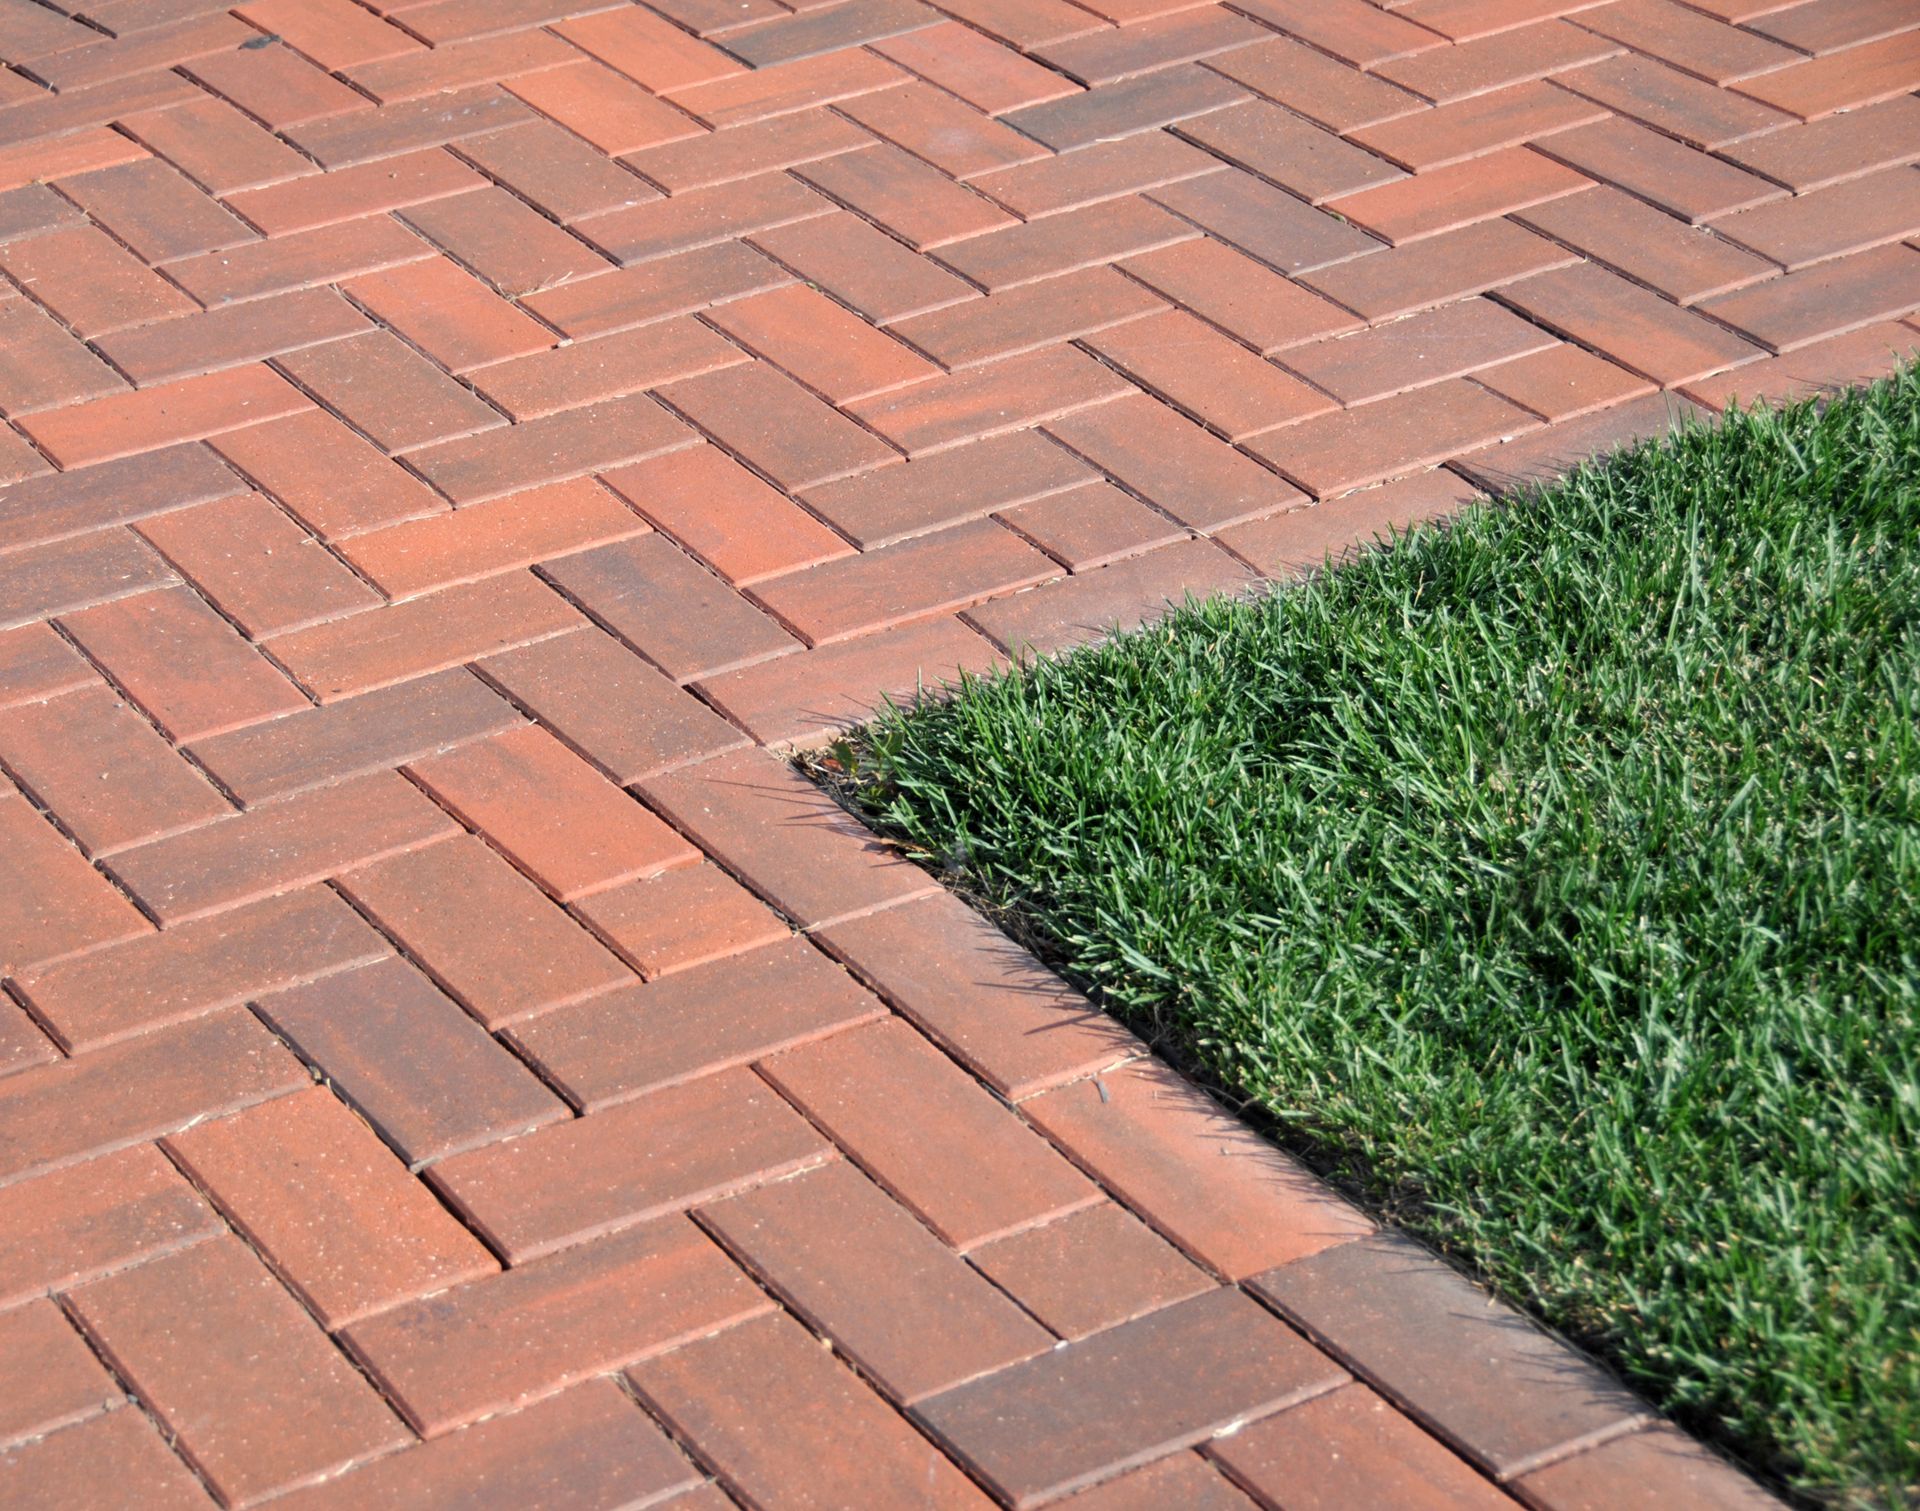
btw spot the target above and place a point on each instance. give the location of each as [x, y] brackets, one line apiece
[444, 438]
[329, 1207]
[73, 573]
[609, 705]
[1836, 148]
[786, 1422]
[1007, 396]
[806, 700]
[36, 664]
[112, 779]
[1315, 84]
[51, 1378]
[482, 930]
[259, 1398]
[495, 1342]
[191, 672]
[544, 380]
[984, 1175]
[355, 737]
[490, 538]
[681, 919]
[1299, 541]
[987, 1002]
[1824, 300]
[199, 967]
[1684, 263]
[1237, 1208]
[914, 579]
[1442, 1349]
[863, 267]
[892, 1297]
[1391, 438]
[551, 813]
[22, 1041]
[1091, 527]
[189, 409]
[736, 523]
[1028, 317]
[787, 839]
[389, 392]
[304, 203]
[271, 849]
[624, 1044]
[329, 478]
[1120, 1397]
[54, 904]
[1346, 1448]
[678, 614]
[73, 1225]
[1547, 453]
[947, 488]
[421, 1071]
[776, 427]
[832, 351]
[612, 1169]
[1119, 595]
[589, 1446]
[1207, 375]
[1655, 1467]
[256, 565]
[1819, 367]
[1090, 1269]
[1181, 1479]
[118, 1460]
[77, 503]
[61, 506]
[449, 314]
[1684, 181]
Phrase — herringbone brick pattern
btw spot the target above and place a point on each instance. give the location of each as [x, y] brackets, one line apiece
[446, 1058]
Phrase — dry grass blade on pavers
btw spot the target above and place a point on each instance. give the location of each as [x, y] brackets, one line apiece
[1554, 878]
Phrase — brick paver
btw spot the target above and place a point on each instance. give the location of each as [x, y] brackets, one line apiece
[452, 448]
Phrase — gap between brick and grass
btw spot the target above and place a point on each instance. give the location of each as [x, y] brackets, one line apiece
[1552, 882]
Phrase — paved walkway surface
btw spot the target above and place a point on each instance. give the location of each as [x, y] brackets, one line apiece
[447, 1057]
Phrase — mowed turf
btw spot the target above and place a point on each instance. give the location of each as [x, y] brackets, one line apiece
[1555, 879]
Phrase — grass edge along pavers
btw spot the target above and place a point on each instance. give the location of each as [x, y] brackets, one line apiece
[1552, 879]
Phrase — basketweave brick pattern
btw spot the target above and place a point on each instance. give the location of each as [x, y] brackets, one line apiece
[453, 448]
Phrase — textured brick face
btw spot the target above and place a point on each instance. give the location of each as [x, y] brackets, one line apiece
[1381, 1304]
[231, 1364]
[628, 1164]
[450, 452]
[782, 1418]
[620, 1045]
[502, 1340]
[898, 1302]
[422, 1072]
[68, 1227]
[276, 1167]
[984, 1173]
[1053, 1423]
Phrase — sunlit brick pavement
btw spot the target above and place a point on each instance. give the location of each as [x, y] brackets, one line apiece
[447, 1057]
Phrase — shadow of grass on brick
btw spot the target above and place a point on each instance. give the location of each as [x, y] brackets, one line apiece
[1554, 878]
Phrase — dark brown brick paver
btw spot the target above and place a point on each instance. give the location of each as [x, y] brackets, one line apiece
[440, 1054]
[1446, 1353]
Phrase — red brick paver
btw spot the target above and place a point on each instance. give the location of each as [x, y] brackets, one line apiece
[449, 449]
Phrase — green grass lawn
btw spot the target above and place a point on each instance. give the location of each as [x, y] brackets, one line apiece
[1552, 879]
